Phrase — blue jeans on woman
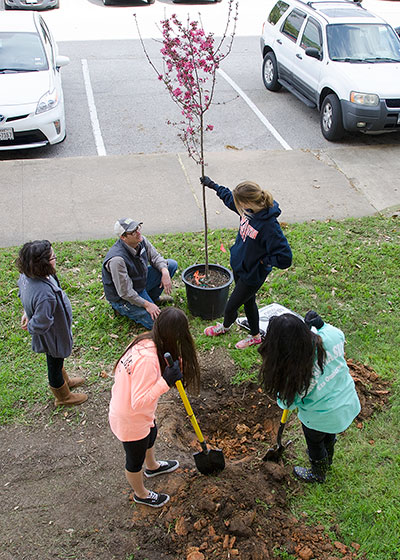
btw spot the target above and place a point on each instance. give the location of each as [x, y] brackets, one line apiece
[151, 293]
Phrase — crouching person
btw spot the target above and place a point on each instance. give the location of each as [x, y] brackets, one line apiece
[134, 275]
[141, 377]
[304, 367]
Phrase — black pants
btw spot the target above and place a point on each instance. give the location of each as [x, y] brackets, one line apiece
[135, 451]
[54, 371]
[317, 443]
[243, 295]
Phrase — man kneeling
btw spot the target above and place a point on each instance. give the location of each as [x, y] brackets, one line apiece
[134, 274]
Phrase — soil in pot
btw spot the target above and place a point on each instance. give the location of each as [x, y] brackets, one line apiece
[216, 278]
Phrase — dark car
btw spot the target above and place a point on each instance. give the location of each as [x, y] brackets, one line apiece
[31, 4]
[112, 2]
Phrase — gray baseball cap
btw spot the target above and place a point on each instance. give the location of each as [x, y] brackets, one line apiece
[125, 225]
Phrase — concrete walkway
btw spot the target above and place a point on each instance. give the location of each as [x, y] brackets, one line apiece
[81, 198]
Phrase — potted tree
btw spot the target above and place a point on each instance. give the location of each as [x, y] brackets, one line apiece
[191, 58]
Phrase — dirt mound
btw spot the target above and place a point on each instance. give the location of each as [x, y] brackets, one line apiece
[64, 494]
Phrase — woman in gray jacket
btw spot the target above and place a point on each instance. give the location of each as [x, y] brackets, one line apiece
[47, 317]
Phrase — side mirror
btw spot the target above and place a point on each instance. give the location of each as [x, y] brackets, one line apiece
[61, 61]
[313, 52]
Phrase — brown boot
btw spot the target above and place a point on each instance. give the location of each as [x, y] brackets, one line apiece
[72, 381]
[66, 398]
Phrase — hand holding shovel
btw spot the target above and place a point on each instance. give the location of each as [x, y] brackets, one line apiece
[207, 461]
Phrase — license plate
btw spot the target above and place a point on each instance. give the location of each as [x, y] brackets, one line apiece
[31, 1]
[6, 134]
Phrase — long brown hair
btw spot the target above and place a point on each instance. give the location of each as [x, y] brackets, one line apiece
[249, 195]
[289, 352]
[171, 334]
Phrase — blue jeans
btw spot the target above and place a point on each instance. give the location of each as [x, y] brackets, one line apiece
[151, 293]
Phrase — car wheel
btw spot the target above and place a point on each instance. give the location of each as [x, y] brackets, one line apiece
[151, 1]
[270, 72]
[331, 118]
[107, 2]
[7, 7]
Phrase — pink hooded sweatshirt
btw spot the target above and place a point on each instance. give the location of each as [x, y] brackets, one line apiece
[134, 396]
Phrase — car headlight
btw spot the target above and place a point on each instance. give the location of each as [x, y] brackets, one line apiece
[367, 99]
[48, 101]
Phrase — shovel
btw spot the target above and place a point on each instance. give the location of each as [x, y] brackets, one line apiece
[207, 461]
[275, 453]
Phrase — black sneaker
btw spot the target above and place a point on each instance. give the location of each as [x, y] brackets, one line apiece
[153, 500]
[165, 467]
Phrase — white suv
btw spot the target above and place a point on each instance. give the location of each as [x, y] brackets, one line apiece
[338, 57]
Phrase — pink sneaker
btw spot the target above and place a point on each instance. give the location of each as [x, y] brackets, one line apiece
[215, 330]
[250, 340]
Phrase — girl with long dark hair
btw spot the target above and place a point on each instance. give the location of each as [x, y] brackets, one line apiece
[141, 377]
[48, 317]
[303, 367]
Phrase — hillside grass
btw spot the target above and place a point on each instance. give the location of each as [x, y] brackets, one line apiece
[348, 271]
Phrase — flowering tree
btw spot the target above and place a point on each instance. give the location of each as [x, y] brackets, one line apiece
[191, 58]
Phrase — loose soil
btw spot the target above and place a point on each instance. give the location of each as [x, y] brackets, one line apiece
[64, 495]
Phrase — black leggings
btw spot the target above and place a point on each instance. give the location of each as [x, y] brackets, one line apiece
[317, 442]
[135, 451]
[243, 294]
[54, 371]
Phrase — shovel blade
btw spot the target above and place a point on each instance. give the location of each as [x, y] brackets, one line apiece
[211, 462]
[275, 453]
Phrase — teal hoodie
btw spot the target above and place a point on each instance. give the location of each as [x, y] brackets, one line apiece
[331, 403]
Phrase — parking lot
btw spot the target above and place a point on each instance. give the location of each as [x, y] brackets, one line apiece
[115, 105]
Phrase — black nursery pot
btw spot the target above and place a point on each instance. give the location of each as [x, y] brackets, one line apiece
[203, 301]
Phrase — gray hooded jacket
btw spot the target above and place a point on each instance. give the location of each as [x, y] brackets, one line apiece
[50, 315]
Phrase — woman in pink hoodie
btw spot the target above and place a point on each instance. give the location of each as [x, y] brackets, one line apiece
[141, 377]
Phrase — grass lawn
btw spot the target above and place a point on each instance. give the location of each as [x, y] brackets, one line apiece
[348, 271]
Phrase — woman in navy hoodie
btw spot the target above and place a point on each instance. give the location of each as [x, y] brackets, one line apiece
[260, 244]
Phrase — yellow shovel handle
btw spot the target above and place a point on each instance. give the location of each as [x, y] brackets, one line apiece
[284, 416]
[189, 411]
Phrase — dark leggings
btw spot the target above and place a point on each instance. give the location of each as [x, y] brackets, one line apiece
[317, 443]
[243, 295]
[54, 371]
[135, 451]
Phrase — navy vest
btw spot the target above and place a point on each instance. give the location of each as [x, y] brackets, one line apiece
[135, 265]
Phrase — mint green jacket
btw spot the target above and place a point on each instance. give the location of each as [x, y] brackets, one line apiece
[331, 403]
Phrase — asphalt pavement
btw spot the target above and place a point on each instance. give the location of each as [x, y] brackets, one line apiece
[81, 198]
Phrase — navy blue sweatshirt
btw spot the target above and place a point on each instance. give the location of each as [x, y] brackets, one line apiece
[260, 243]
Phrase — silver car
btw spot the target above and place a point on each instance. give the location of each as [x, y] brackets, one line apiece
[31, 4]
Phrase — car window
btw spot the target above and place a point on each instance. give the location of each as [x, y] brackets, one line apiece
[277, 12]
[312, 35]
[22, 52]
[362, 43]
[292, 24]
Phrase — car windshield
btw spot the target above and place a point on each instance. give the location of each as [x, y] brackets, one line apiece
[369, 42]
[21, 52]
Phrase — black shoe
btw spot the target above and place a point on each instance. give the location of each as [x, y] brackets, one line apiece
[165, 467]
[317, 472]
[164, 299]
[154, 500]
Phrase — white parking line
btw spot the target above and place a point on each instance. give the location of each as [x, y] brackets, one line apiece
[101, 150]
[255, 109]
